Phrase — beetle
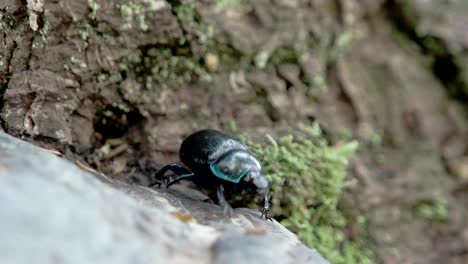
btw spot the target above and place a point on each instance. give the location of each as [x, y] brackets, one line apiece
[218, 164]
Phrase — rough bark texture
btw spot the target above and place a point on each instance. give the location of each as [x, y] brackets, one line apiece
[390, 73]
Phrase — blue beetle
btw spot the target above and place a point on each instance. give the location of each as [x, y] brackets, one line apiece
[217, 162]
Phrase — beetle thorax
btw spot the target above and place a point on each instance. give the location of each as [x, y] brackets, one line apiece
[227, 146]
[234, 165]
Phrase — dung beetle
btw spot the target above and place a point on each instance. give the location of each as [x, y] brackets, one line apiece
[218, 164]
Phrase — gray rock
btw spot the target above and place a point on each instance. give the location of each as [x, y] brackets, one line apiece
[53, 212]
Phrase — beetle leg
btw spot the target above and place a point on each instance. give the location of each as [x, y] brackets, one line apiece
[266, 207]
[178, 179]
[208, 200]
[177, 168]
[156, 182]
[227, 209]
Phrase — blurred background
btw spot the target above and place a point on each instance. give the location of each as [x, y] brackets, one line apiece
[357, 108]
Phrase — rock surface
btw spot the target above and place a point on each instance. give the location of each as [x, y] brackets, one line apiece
[53, 212]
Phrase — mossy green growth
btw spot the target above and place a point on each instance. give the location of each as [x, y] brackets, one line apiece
[432, 210]
[185, 12]
[160, 65]
[94, 8]
[238, 5]
[340, 45]
[134, 12]
[283, 55]
[6, 21]
[307, 178]
[195, 27]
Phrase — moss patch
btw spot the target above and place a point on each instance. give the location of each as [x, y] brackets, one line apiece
[307, 178]
[432, 210]
[134, 12]
[6, 21]
[154, 65]
[237, 5]
[195, 29]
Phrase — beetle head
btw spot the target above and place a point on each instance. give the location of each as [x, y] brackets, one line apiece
[255, 177]
[236, 165]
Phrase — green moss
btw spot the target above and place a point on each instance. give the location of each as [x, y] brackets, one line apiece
[238, 5]
[432, 210]
[109, 39]
[233, 126]
[201, 36]
[124, 108]
[161, 65]
[340, 45]
[134, 12]
[185, 12]
[102, 77]
[196, 29]
[307, 178]
[408, 14]
[261, 59]
[176, 63]
[78, 62]
[6, 22]
[318, 80]
[94, 8]
[184, 107]
[42, 36]
[434, 46]
[229, 58]
[344, 39]
[84, 33]
[283, 56]
[44, 31]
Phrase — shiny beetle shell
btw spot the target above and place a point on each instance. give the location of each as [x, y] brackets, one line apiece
[218, 164]
[210, 151]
